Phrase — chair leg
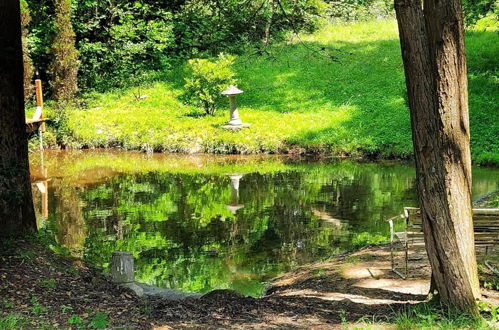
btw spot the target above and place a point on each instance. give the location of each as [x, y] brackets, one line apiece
[406, 251]
[391, 246]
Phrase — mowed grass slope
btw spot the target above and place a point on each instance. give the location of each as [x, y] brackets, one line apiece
[340, 90]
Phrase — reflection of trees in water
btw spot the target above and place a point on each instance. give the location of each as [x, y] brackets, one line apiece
[182, 233]
[68, 222]
[37, 202]
[184, 236]
[370, 195]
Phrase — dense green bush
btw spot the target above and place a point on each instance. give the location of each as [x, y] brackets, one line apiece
[207, 79]
[359, 10]
[122, 39]
[206, 27]
[131, 38]
[475, 10]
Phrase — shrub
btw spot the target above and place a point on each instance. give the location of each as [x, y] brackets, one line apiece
[474, 10]
[128, 48]
[366, 238]
[207, 27]
[75, 320]
[99, 321]
[13, 321]
[359, 10]
[116, 41]
[207, 79]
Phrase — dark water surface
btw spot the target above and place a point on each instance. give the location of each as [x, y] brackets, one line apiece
[198, 223]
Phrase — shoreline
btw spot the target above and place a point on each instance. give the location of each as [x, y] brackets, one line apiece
[290, 155]
[343, 291]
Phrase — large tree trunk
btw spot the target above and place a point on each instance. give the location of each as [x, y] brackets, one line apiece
[432, 43]
[17, 214]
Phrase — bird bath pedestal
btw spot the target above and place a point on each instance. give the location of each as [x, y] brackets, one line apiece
[122, 267]
[234, 203]
[235, 122]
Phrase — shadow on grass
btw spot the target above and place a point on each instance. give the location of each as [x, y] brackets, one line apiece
[368, 82]
[364, 91]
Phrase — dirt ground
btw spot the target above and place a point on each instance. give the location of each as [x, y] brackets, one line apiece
[351, 289]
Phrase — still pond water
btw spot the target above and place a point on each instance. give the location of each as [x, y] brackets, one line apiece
[198, 223]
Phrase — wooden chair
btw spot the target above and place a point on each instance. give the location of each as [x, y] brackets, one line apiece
[485, 223]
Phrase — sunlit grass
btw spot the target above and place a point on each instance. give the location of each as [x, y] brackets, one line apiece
[430, 315]
[340, 90]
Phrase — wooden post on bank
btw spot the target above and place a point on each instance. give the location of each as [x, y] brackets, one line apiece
[39, 95]
[39, 109]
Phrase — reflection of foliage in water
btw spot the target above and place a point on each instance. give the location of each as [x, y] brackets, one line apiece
[183, 235]
[171, 212]
[67, 219]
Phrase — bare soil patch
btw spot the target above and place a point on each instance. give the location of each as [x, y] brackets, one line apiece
[354, 289]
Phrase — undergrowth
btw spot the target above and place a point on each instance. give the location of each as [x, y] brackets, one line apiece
[432, 315]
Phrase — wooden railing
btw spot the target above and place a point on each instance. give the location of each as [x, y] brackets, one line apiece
[485, 224]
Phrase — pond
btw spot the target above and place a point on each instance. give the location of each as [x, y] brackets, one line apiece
[198, 223]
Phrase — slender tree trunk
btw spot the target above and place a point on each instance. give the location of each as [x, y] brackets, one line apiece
[432, 43]
[268, 24]
[17, 215]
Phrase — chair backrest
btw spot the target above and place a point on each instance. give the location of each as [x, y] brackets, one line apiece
[484, 220]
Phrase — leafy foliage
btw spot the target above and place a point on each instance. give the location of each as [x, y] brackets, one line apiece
[207, 79]
[359, 10]
[99, 321]
[36, 307]
[64, 65]
[27, 62]
[432, 315]
[13, 321]
[367, 238]
[209, 27]
[75, 321]
[474, 10]
[48, 284]
[122, 41]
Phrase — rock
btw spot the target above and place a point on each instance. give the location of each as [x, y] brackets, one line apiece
[135, 287]
[223, 293]
[168, 294]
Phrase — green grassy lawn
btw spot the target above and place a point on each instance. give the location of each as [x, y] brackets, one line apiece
[297, 97]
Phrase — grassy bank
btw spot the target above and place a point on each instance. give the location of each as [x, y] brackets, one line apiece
[340, 90]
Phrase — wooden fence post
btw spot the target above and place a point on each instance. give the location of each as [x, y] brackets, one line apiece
[39, 95]
[39, 109]
[39, 101]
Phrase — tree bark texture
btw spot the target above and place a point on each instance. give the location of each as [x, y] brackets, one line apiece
[432, 44]
[17, 214]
